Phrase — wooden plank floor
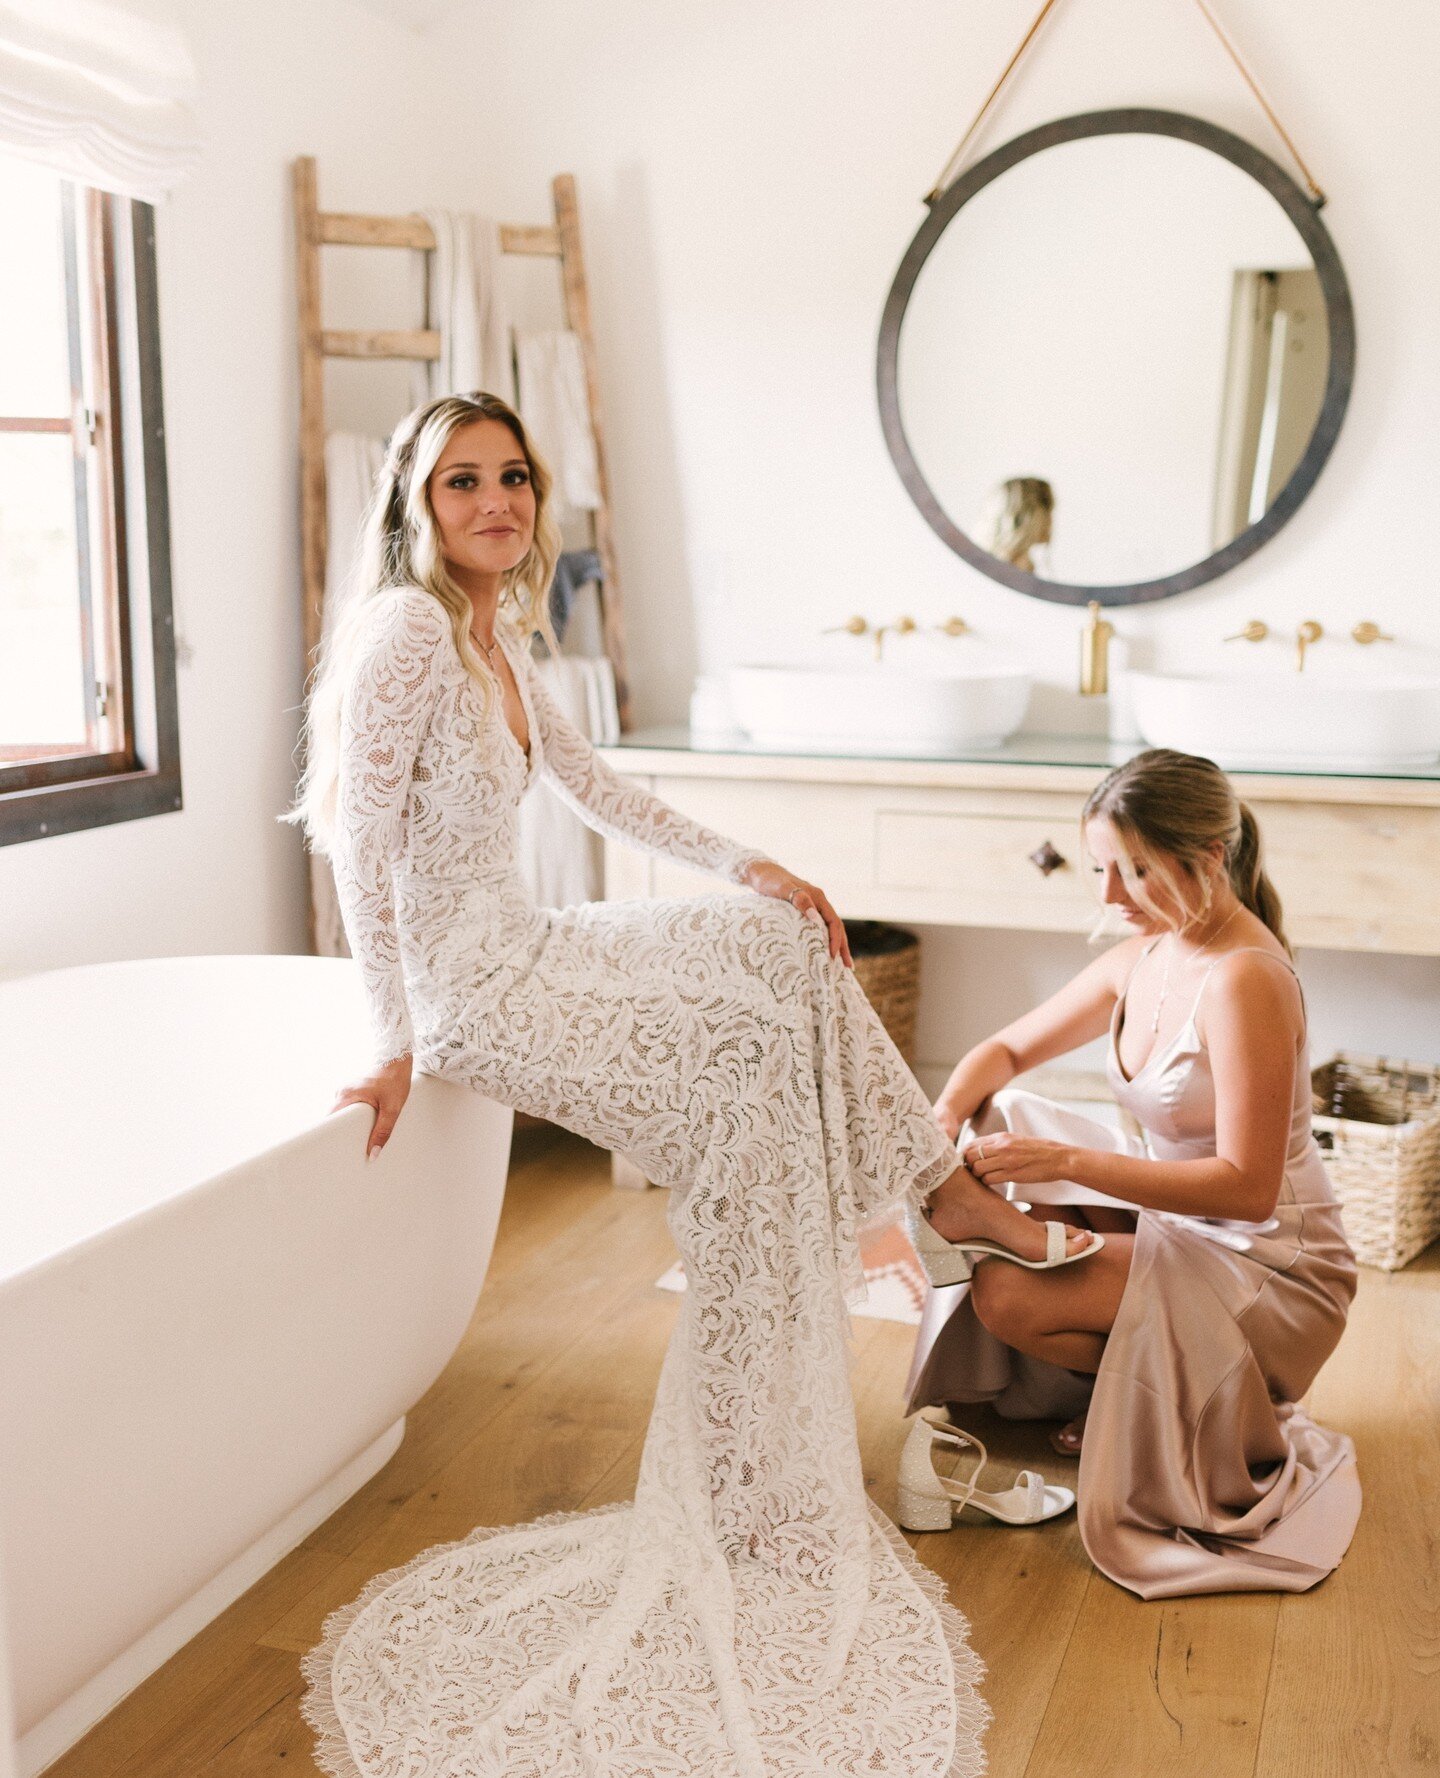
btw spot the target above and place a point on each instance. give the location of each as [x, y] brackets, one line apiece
[544, 1408]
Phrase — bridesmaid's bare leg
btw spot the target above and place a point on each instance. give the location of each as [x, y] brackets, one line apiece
[1063, 1317]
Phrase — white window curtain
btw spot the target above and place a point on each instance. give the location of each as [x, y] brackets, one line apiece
[97, 95]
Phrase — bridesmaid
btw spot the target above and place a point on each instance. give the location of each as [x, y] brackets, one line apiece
[1225, 1276]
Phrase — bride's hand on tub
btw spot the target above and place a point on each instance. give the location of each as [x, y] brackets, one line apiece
[385, 1091]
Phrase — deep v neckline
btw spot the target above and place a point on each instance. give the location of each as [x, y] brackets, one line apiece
[527, 754]
[1117, 1024]
[1117, 1020]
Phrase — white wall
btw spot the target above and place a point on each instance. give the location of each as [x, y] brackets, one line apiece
[749, 177]
[277, 80]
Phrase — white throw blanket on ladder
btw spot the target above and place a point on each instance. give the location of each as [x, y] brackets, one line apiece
[465, 301]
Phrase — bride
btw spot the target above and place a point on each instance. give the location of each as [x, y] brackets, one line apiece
[751, 1614]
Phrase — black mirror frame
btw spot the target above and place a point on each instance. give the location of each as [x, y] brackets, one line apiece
[1339, 311]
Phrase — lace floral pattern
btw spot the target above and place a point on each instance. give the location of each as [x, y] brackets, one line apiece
[751, 1615]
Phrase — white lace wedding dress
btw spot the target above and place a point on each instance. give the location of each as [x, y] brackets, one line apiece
[751, 1615]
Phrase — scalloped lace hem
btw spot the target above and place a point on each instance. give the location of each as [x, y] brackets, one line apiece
[332, 1753]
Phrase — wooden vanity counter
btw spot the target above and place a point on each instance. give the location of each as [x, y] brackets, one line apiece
[964, 842]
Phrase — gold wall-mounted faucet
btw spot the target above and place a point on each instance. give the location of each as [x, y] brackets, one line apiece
[902, 626]
[859, 626]
[1254, 631]
[1095, 653]
[1306, 636]
[1366, 633]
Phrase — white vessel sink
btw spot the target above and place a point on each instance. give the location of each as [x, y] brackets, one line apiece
[880, 709]
[1318, 718]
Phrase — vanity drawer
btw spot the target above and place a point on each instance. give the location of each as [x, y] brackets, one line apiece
[985, 869]
[890, 853]
[1356, 863]
[819, 831]
[1361, 878]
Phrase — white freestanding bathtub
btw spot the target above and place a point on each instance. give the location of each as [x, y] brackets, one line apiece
[214, 1313]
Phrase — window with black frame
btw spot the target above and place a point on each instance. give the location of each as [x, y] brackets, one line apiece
[88, 731]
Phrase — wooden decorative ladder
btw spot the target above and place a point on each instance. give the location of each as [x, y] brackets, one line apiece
[316, 228]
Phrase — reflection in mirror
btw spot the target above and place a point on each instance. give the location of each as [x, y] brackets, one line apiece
[1275, 368]
[1113, 359]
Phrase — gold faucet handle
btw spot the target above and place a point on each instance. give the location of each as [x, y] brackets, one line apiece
[904, 626]
[1254, 631]
[852, 626]
[1095, 637]
[952, 626]
[1366, 633]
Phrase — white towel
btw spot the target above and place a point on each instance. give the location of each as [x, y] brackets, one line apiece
[555, 405]
[465, 302]
[561, 859]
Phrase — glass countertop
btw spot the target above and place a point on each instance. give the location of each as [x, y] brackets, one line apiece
[1093, 751]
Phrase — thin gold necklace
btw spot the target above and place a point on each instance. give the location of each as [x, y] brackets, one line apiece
[489, 647]
[1169, 955]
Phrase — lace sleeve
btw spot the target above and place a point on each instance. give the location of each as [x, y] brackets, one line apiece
[384, 715]
[619, 809]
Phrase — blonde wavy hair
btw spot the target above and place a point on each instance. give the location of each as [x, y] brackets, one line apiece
[1017, 519]
[1170, 810]
[400, 547]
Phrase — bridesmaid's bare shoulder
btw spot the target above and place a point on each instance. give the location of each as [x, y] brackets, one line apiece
[1247, 980]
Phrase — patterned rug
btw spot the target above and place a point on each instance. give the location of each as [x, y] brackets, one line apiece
[892, 1274]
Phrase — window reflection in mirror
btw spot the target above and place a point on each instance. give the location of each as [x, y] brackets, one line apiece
[1131, 322]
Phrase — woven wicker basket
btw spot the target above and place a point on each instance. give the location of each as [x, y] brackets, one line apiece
[887, 967]
[1378, 1123]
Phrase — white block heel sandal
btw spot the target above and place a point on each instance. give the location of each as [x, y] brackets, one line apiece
[952, 1262]
[929, 1502]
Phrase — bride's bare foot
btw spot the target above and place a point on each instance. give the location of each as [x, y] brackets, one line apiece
[962, 1209]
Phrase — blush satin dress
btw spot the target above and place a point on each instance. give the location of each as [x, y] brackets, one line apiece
[751, 1614]
[1199, 1471]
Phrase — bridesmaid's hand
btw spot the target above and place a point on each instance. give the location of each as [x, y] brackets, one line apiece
[1007, 1159]
[768, 878]
[385, 1091]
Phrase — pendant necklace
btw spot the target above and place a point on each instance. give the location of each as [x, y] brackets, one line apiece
[1169, 955]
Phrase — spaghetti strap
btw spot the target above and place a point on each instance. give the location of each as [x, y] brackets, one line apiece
[1260, 951]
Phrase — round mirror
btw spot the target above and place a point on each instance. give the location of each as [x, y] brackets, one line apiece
[1115, 357]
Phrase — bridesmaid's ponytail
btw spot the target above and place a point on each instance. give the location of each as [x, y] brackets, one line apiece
[1173, 809]
[1248, 879]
